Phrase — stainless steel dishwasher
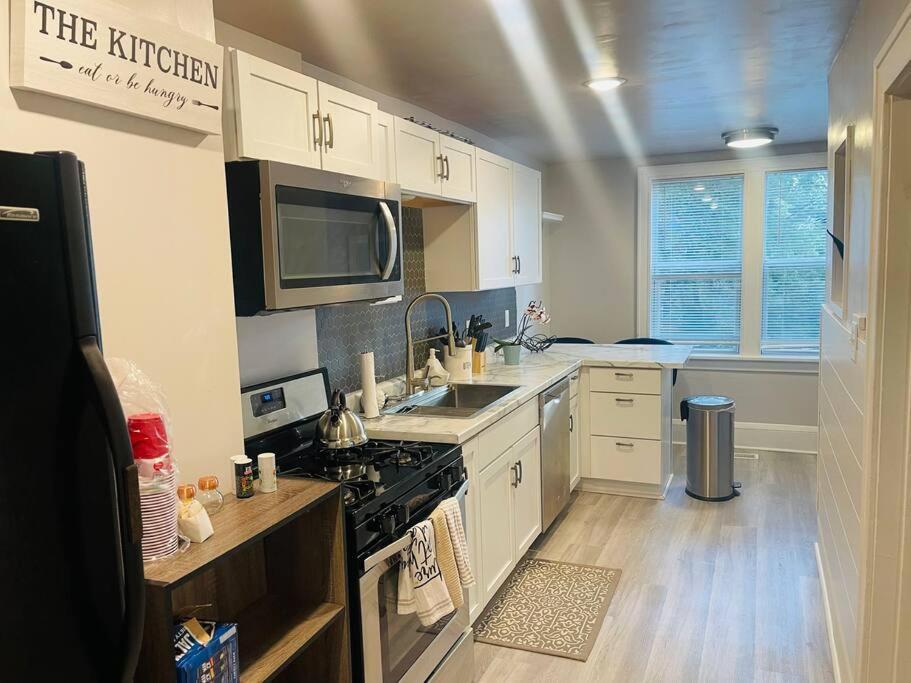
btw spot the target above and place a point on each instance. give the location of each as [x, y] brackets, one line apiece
[554, 407]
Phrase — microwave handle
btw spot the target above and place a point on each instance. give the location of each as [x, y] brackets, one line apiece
[393, 240]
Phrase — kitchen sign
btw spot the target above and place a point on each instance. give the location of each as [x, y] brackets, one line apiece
[102, 54]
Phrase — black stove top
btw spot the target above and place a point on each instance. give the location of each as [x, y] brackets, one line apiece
[374, 470]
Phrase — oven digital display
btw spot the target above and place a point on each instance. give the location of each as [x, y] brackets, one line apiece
[267, 402]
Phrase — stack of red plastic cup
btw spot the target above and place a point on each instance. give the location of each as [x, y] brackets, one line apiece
[157, 484]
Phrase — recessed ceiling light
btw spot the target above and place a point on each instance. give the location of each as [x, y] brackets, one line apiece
[605, 84]
[745, 138]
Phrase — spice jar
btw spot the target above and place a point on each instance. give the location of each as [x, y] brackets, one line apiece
[243, 477]
[209, 495]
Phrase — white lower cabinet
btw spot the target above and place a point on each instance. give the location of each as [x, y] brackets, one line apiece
[574, 442]
[495, 492]
[508, 511]
[472, 527]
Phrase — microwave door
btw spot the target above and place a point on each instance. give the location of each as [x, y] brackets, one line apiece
[334, 248]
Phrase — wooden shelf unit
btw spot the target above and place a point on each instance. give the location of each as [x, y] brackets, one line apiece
[276, 567]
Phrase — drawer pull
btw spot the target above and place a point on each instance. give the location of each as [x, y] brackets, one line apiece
[623, 444]
[626, 375]
[624, 400]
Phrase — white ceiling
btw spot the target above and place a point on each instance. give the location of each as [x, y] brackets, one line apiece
[512, 69]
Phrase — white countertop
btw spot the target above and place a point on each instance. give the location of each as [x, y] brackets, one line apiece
[536, 372]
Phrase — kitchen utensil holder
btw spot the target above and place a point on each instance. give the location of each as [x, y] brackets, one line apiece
[459, 365]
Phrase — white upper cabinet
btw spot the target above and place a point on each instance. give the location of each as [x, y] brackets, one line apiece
[283, 115]
[276, 112]
[418, 161]
[495, 263]
[432, 164]
[458, 180]
[527, 232]
[349, 124]
[385, 147]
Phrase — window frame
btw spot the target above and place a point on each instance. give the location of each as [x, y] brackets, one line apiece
[754, 171]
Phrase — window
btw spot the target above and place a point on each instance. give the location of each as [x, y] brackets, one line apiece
[696, 249]
[733, 254]
[794, 261]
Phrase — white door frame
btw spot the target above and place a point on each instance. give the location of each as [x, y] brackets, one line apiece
[884, 644]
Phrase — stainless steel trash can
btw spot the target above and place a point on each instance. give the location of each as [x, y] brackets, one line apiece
[709, 447]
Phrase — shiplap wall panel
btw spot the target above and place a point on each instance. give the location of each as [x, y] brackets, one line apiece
[839, 483]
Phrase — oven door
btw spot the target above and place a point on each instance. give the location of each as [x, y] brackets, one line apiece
[397, 647]
[329, 238]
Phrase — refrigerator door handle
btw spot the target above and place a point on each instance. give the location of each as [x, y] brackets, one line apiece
[127, 482]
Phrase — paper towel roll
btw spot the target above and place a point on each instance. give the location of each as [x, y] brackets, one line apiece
[368, 386]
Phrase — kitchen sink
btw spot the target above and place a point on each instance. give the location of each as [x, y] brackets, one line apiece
[453, 400]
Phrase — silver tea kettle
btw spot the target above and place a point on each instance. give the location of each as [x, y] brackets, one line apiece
[339, 427]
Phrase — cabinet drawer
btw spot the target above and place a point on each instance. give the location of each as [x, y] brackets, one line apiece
[496, 439]
[632, 415]
[626, 380]
[623, 459]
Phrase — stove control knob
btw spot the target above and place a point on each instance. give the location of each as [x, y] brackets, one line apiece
[387, 522]
[394, 517]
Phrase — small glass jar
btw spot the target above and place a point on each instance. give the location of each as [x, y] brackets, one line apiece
[209, 495]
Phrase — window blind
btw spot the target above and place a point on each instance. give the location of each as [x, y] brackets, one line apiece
[794, 261]
[696, 227]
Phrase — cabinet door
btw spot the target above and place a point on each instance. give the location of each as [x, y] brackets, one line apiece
[526, 186]
[459, 169]
[349, 132]
[385, 147]
[417, 156]
[276, 110]
[526, 456]
[574, 442]
[494, 221]
[496, 516]
[472, 525]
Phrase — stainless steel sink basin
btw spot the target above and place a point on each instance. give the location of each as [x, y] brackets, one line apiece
[453, 400]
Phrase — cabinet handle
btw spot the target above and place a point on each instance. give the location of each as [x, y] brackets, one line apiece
[330, 136]
[571, 423]
[514, 266]
[442, 172]
[623, 400]
[574, 378]
[446, 161]
[515, 470]
[519, 259]
[628, 375]
[521, 471]
[317, 132]
[624, 444]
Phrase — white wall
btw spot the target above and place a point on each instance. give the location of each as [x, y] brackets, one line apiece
[160, 233]
[843, 464]
[591, 280]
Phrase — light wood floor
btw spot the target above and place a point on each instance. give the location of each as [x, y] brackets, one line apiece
[709, 592]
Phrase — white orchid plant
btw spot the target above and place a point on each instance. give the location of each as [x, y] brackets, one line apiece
[534, 314]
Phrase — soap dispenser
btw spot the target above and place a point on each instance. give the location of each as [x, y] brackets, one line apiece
[435, 373]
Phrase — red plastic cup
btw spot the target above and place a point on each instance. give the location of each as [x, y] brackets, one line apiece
[147, 435]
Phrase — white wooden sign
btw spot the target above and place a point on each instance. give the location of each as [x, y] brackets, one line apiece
[100, 53]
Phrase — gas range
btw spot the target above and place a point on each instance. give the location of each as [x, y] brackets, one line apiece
[388, 486]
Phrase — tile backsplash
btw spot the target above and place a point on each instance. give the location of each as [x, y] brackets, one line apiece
[344, 331]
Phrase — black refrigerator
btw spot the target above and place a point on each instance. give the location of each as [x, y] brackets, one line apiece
[70, 527]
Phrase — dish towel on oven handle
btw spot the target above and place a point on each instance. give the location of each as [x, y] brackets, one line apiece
[421, 585]
[446, 558]
[453, 513]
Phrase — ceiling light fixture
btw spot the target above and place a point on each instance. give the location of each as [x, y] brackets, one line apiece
[745, 138]
[605, 84]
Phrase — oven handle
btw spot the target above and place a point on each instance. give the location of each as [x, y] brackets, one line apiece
[393, 240]
[397, 546]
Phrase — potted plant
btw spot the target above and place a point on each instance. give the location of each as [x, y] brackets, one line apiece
[535, 313]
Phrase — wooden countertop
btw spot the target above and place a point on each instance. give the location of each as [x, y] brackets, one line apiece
[239, 522]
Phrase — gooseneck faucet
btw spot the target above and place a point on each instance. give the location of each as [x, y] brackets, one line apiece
[409, 342]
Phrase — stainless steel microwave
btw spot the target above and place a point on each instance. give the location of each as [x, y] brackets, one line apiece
[303, 237]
